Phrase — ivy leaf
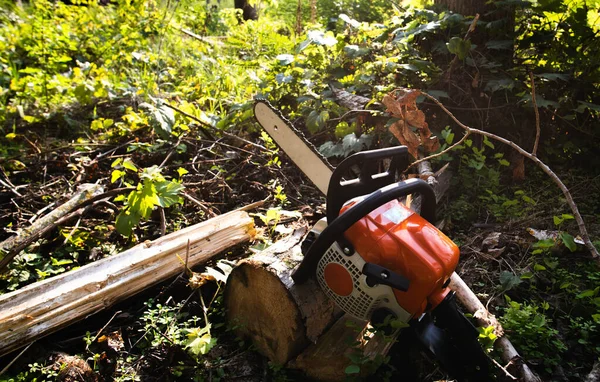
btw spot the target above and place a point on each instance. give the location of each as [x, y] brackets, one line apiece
[126, 220]
[116, 175]
[458, 46]
[163, 119]
[321, 38]
[285, 59]
[168, 193]
[316, 121]
[568, 241]
[345, 18]
[509, 280]
[352, 369]
[554, 76]
[128, 164]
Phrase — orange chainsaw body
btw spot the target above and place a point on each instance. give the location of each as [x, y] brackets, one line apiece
[400, 240]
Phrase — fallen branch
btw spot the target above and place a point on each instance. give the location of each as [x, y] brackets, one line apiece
[46, 306]
[10, 247]
[469, 130]
[508, 353]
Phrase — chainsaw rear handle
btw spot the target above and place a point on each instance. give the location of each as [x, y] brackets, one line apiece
[369, 179]
[336, 228]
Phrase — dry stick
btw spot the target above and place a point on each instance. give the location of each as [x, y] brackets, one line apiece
[16, 358]
[582, 229]
[46, 226]
[163, 221]
[14, 244]
[537, 116]
[199, 204]
[12, 189]
[508, 353]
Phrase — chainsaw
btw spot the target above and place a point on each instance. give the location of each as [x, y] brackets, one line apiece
[373, 256]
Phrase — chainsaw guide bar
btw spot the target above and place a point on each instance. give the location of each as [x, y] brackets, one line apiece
[294, 144]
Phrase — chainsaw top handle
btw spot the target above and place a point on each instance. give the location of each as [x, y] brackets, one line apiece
[369, 179]
[336, 228]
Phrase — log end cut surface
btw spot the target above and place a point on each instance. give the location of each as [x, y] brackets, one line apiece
[261, 308]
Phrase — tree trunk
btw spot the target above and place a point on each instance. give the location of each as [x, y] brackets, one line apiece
[248, 11]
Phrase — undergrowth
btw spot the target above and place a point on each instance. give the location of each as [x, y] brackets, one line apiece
[122, 95]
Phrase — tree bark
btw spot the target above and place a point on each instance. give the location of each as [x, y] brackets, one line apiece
[46, 306]
[248, 11]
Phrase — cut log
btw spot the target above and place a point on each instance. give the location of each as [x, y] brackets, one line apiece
[328, 359]
[46, 306]
[262, 301]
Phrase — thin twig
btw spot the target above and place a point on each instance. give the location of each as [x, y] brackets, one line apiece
[582, 229]
[12, 189]
[163, 221]
[205, 126]
[102, 329]
[441, 152]
[16, 358]
[199, 204]
[509, 375]
[537, 116]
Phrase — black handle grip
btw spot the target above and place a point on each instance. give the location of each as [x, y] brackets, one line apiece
[369, 179]
[337, 227]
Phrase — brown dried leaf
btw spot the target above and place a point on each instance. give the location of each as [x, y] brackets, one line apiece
[408, 97]
[115, 341]
[199, 279]
[404, 107]
[393, 107]
[406, 136]
[416, 118]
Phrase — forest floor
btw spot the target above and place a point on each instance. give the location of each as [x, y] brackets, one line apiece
[225, 174]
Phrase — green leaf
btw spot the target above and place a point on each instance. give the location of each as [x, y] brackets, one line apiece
[539, 267]
[509, 280]
[116, 162]
[128, 164]
[487, 142]
[568, 241]
[163, 119]
[316, 121]
[557, 220]
[322, 38]
[182, 171]
[586, 293]
[458, 46]
[126, 220]
[554, 76]
[285, 59]
[343, 128]
[567, 217]
[116, 175]
[168, 193]
[352, 369]
[200, 340]
[143, 200]
[500, 44]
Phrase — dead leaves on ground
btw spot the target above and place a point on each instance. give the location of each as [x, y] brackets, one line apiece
[410, 127]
